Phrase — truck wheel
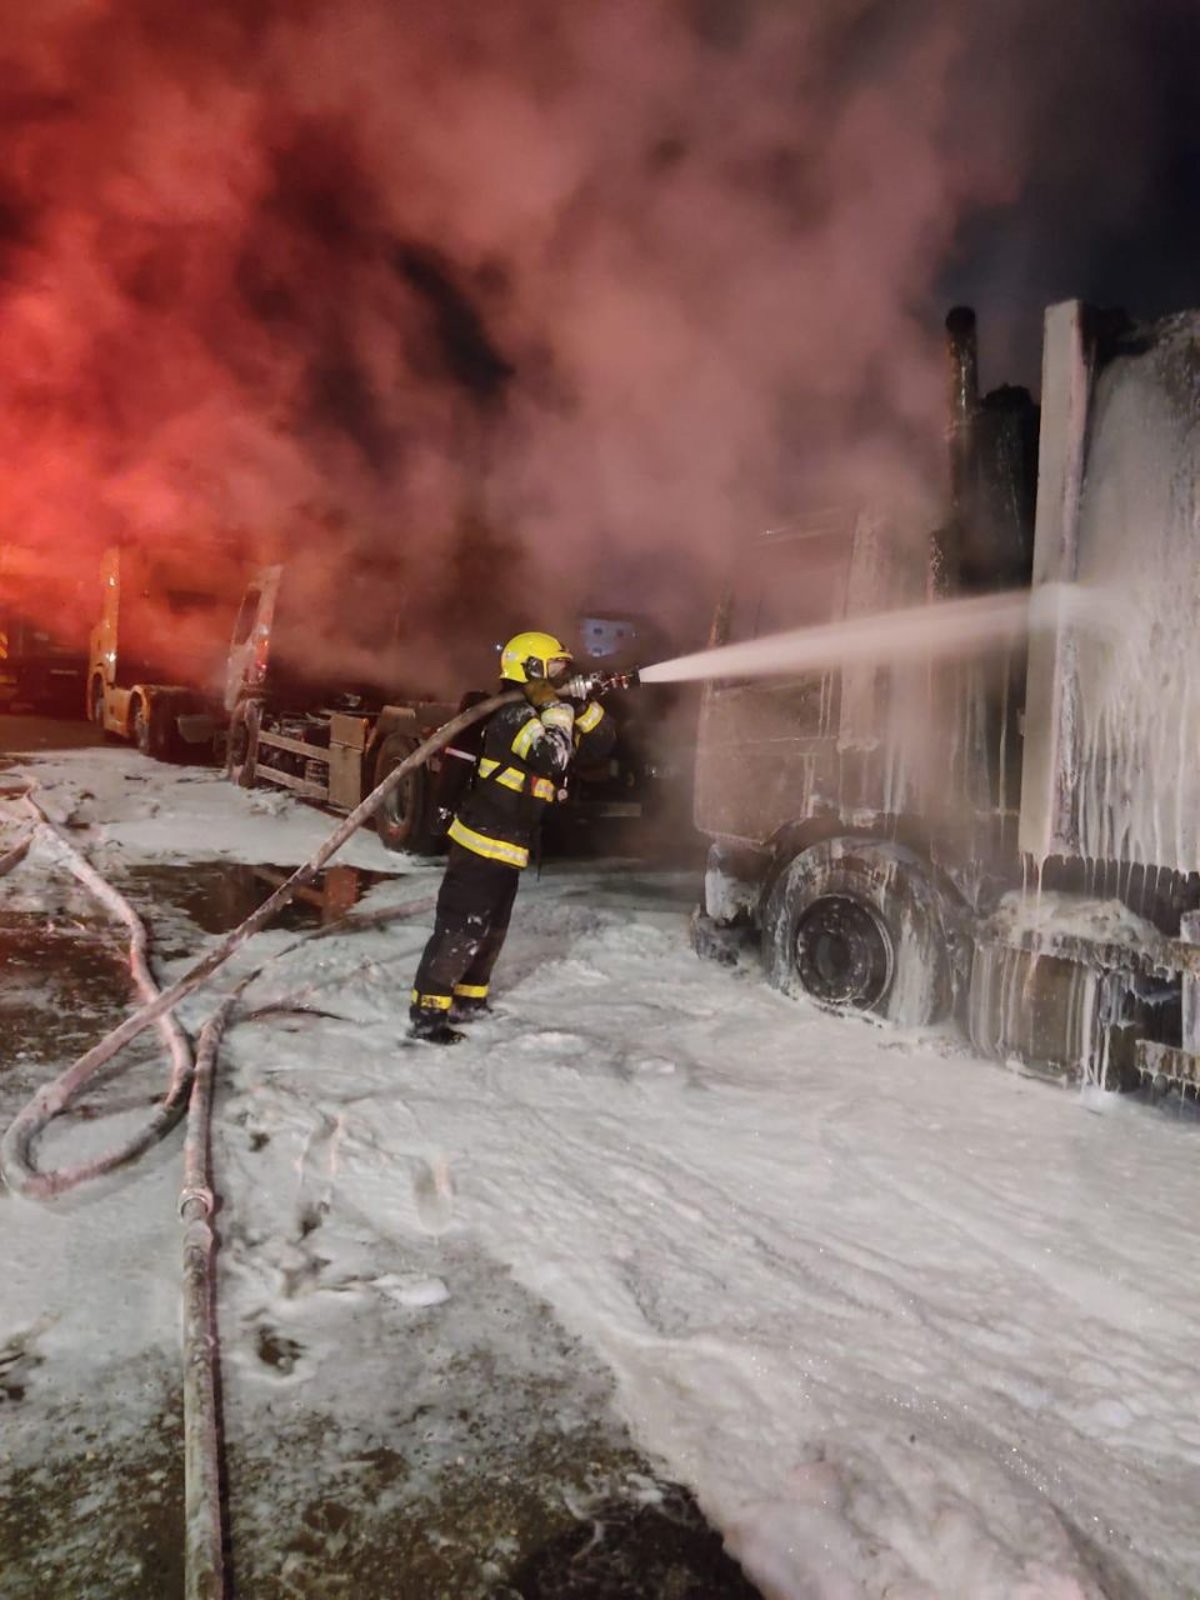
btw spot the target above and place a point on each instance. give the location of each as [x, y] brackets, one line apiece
[402, 822]
[150, 731]
[241, 760]
[858, 926]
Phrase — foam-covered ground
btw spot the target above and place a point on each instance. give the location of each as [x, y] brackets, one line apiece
[909, 1325]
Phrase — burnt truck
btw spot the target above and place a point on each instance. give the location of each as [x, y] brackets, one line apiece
[1012, 838]
[315, 701]
[156, 657]
[329, 687]
[43, 663]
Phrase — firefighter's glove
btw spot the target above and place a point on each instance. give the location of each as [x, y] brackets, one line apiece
[559, 716]
[559, 723]
[541, 692]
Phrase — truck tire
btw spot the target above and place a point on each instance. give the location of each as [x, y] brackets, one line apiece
[403, 821]
[857, 925]
[241, 756]
[151, 730]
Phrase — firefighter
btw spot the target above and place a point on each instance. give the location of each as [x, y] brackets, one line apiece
[524, 753]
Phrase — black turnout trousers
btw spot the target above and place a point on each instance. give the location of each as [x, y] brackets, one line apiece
[473, 910]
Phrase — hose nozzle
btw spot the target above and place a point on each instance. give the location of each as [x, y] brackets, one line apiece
[586, 684]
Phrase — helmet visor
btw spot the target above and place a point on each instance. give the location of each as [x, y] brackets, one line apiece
[557, 667]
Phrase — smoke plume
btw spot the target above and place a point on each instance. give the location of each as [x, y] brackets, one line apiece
[548, 304]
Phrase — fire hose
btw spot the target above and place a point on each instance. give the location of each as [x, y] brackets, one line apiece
[204, 1562]
[190, 1089]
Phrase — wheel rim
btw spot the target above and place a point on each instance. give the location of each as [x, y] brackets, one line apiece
[844, 954]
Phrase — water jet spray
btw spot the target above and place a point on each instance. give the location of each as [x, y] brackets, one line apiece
[938, 630]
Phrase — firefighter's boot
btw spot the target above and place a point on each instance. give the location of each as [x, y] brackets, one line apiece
[431, 1024]
[470, 1004]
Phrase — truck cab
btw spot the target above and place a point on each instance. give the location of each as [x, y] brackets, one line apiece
[813, 788]
[1012, 835]
[39, 671]
[157, 652]
[43, 663]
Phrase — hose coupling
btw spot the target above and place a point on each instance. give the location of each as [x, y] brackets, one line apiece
[202, 1196]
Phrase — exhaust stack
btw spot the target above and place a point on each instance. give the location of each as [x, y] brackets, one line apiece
[962, 413]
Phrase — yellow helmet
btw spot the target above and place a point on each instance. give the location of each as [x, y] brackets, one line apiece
[530, 656]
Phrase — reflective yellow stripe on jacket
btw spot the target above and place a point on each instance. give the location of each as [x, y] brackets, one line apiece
[589, 718]
[511, 777]
[539, 788]
[513, 855]
[527, 735]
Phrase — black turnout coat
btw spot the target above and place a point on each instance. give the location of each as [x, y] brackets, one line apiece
[521, 765]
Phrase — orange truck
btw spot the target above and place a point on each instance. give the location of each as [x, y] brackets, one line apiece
[156, 662]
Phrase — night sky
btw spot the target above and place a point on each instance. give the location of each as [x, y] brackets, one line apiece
[1108, 209]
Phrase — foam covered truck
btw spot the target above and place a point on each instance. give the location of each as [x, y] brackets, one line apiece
[1011, 837]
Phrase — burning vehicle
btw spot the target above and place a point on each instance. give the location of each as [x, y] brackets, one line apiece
[157, 653]
[1012, 836]
[326, 700]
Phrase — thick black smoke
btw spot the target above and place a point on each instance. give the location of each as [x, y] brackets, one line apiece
[544, 303]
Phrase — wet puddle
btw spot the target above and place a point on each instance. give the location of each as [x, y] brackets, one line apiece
[219, 895]
[64, 974]
[61, 980]
[659, 1546]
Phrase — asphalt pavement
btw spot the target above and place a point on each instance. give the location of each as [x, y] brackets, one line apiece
[21, 734]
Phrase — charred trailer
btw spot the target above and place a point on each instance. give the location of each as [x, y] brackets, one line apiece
[157, 652]
[1013, 839]
[321, 700]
